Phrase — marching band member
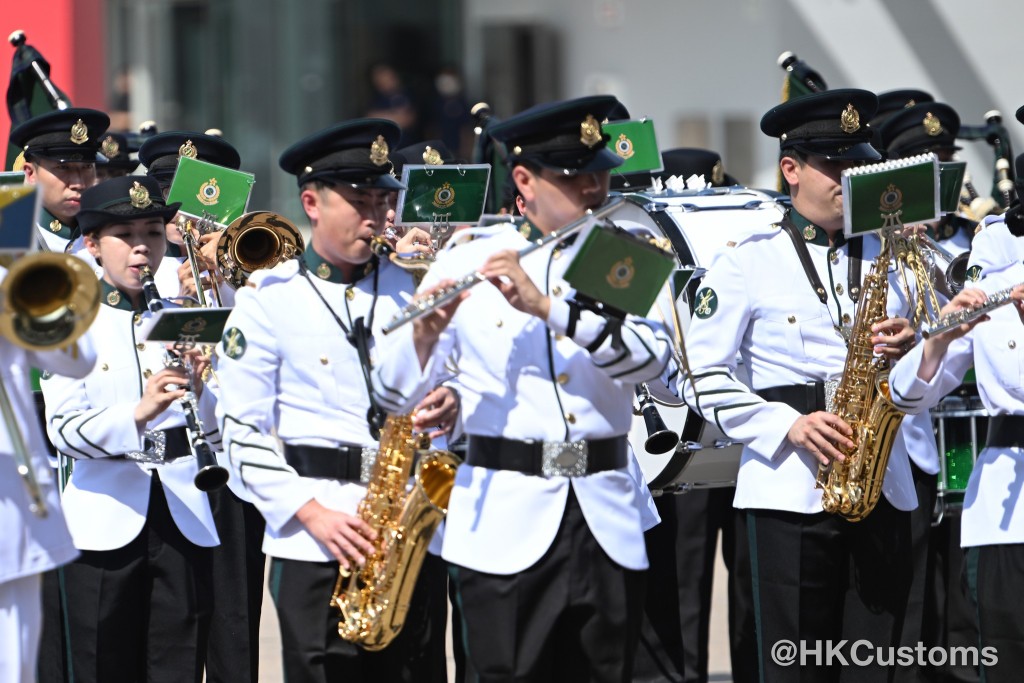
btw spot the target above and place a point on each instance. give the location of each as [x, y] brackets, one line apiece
[992, 529]
[115, 158]
[539, 373]
[60, 157]
[138, 597]
[29, 544]
[815, 575]
[298, 412]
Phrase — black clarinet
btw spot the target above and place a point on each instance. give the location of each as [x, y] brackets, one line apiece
[660, 439]
[210, 476]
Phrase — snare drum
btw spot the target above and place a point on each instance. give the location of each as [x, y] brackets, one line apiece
[698, 225]
[961, 427]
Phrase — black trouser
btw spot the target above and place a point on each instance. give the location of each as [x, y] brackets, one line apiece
[950, 619]
[141, 612]
[677, 612]
[921, 585]
[995, 576]
[573, 616]
[312, 650]
[819, 578]
[238, 566]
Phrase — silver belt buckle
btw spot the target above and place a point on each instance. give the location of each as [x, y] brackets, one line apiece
[156, 439]
[830, 394]
[366, 463]
[564, 459]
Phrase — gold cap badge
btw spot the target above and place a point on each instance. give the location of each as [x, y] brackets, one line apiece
[932, 125]
[79, 132]
[110, 147]
[590, 131]
[379, 151]
[849, 121]
[432, 157]
[139, 196]
[188, 150]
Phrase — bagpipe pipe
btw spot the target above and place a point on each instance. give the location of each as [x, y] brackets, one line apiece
[995, 134]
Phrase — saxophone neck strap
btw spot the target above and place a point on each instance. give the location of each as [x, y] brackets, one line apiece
[853, 272]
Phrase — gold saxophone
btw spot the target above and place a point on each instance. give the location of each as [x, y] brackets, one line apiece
[374, 600]
[862, 399]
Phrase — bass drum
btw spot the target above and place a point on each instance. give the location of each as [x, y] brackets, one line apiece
[699, 225]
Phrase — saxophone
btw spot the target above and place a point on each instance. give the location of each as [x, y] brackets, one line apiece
[374, 599]
[862, 399]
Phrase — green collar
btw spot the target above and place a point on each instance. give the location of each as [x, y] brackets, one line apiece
[115, 298]
[54, 225]
[812, 233]
[326, 271]
[530, 231]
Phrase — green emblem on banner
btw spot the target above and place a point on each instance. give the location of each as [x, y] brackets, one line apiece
[234, 343]
[707, 303]
[890, 194]
[205, 189]
[974, 273]
[635, 143]
[442, 194]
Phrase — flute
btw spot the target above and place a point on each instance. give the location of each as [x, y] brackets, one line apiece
[965, 315]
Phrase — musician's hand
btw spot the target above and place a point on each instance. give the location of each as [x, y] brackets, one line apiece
[505, 272]
[414, 241]
[427, 328]
[893, 337]
[437, 412]
[158, 396]
[347, 537]
[207, 254]
[820, 433]
[935, 346]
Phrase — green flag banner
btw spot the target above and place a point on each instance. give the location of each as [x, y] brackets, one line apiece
[442, 194]
[620, 270]
[27, 95]
[890, 194]
[636, 143]
[18, 207]
[192, 325]
[951, 179]
[207, 190]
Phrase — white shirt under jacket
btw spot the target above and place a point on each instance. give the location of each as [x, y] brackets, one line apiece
[993, 513]
[521, 379]
[767, 311]
[298, 381]
[92, 420]
[31, 544]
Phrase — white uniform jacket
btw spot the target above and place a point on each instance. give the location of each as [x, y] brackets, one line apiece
[524, 380]
[31, 544]
[995, 248]
[758, 301]
[92, 420]
[53, 235]
[288, 374]
[993, 513]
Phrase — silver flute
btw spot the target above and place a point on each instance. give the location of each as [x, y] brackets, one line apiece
[442, 296]
[966, 315]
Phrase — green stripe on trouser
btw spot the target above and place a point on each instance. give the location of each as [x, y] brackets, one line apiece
[752, 538]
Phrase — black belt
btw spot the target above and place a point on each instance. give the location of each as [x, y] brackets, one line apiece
[528, 457]
[1005, 431]
[344, 463]
[804, 398]
[176, 445]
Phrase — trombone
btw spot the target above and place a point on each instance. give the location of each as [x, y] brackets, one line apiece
[47, 301]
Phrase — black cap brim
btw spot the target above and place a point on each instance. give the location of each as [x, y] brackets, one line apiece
[90, 220]
[64, 155]
[603, 160]
[861, 151]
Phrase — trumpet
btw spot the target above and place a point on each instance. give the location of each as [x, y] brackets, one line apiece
[253, 241]
[47, 301]
[966, 315]
[210, 476]
[955, 272]
[443, 296]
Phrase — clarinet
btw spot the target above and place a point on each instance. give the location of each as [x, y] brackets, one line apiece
[210, 476]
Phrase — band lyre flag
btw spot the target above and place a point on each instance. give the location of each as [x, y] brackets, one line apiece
[191, 325]
[19, 205]
[637, 145]
[449, 193]
[951, 180]
[890, 194]
[207, 190]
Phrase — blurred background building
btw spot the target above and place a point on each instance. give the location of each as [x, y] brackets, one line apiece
[267, 72]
